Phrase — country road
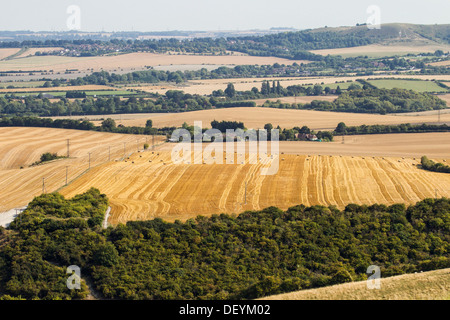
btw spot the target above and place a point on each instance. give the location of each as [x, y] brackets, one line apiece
[8, 216]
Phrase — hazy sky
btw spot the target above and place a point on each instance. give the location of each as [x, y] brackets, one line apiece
[158, 15]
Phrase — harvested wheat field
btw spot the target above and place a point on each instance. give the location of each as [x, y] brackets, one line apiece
[377, 50]
[150, 185]
[6, 52]
[20, 147]
[258, 117]
[131, 61]
[32, 51]
[204, 87]
[431, 285]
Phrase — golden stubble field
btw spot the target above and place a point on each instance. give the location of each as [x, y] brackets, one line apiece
[6, 52]
[431, 285]
[205, 87]
[130, 61]
[20, 147]
[149, 185]
[377, 50]
[259, 116]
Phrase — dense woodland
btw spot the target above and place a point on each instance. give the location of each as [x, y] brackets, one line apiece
[255, 254]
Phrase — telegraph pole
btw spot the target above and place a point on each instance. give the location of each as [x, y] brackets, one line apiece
[43, 185]
[68, 144]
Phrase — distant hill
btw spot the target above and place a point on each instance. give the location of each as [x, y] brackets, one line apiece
[294, 44]
[275, 42]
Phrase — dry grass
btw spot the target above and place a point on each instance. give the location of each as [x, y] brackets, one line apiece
[204, 87]
[6, 52]
[20, 147]
[431, 285]
[376, 50]
[32, 51]
[258, 117]
[440, 63]
[149, 185]
[131, 61]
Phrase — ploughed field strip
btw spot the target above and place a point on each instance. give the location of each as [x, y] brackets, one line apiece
[150, 185]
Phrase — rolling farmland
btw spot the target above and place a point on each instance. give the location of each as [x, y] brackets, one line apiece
[376, 50]
[258, 117]
[207, 86]
[5, 53]
[20, 147]
[149, 185]
[129, 61]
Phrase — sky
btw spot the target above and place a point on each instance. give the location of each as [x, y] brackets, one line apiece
[211, 15]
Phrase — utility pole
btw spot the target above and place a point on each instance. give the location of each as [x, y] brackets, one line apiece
[153, 142]
[43, 185]
[68, 144]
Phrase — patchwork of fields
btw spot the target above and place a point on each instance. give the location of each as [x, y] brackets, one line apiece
[258, 117]
[149, 185]
[20, 147]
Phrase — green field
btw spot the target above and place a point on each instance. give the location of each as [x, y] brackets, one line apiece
[416, 85]
[25, 84]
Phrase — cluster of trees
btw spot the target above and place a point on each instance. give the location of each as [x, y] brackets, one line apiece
[47, 156]
[430, 165]
[50, 235]
[342, 129]
[254, 254]
[370, 100]
[222, 126]
[108, 125]
[172, 101]
[155, 76]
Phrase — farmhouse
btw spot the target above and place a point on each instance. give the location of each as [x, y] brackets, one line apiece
[307, 137]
